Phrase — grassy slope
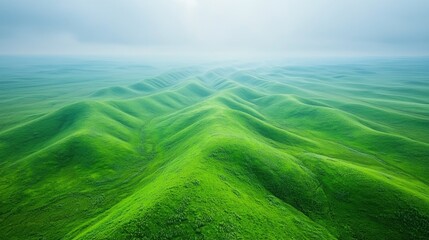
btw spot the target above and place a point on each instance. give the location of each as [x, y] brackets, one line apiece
[265, 152]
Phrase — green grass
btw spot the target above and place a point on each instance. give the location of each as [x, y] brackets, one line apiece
[109, 150]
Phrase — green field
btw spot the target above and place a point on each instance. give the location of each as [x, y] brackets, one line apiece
[99, 149]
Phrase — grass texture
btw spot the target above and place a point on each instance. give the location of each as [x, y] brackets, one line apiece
[223, 151]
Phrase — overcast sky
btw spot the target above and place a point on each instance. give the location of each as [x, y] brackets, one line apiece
[282, 27]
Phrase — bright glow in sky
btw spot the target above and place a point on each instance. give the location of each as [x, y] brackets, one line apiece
[271, 27]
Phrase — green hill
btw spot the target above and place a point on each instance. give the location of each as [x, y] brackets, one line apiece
[255, 152]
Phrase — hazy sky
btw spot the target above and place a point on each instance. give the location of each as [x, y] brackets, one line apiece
[282, 27]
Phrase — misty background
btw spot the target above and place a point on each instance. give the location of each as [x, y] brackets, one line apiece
[215, 27]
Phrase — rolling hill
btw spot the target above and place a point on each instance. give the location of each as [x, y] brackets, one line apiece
[238, 151]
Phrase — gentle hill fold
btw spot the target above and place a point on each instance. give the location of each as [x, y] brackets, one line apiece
[231, 152]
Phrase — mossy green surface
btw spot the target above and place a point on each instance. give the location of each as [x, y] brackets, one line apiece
[221, 151]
